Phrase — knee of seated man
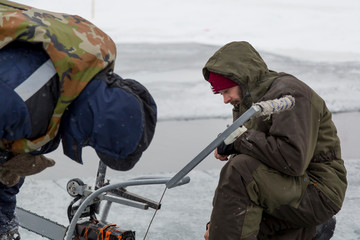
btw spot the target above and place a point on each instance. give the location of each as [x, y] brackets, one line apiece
[239, 168]
[245, 164]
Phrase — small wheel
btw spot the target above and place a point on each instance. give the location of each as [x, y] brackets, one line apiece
[74, 187]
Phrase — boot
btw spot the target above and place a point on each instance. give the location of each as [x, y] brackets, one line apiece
[11, 235]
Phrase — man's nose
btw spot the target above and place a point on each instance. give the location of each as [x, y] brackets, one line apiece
[227, 99]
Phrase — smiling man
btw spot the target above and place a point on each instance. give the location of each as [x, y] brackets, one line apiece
[284, 178]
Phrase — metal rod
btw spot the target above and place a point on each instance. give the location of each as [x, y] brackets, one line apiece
[89, 199]
[105, 211]
[204, 153]
[100, 176]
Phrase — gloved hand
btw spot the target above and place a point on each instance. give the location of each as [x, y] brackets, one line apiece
[22, 165]
[227, 146]
[235, 134]
[225, 150]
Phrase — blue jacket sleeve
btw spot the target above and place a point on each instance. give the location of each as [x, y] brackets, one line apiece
[111, 117]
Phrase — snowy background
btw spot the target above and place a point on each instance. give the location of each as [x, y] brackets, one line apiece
[164, 45]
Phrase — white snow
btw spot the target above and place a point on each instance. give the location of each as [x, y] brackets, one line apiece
[321, 40]
[312, 30]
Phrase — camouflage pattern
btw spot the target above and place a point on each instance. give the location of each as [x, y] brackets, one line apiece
[78, 49]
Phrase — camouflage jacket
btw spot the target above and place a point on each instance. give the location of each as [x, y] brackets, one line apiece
[77, 49]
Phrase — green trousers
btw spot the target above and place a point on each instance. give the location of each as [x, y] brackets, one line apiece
[253, 201]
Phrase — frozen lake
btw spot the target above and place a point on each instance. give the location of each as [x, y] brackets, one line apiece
[190, 117]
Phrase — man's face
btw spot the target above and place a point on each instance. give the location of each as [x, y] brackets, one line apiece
[231, 95]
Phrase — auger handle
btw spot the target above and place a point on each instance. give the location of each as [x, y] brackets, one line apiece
[261, 108]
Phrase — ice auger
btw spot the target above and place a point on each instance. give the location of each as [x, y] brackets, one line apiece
[87, 220]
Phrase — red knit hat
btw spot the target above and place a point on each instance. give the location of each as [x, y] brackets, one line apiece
[219, 82]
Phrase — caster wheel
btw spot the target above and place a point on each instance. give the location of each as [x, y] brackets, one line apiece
[74, 187]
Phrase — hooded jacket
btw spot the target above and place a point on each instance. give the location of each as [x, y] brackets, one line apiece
[78, 50]
[83, 103]
[115, 116]
[301, 142]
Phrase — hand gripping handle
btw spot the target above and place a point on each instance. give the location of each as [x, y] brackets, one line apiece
[258, 109]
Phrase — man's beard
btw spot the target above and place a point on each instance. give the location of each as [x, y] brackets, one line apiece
[236, 102]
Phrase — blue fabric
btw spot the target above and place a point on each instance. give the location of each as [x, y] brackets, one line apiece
[108, 119]
[17, 64]
[7, 207]
[15, 120]
[118, 122]
[111, 119]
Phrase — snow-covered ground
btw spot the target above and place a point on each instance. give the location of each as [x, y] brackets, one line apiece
[320, 30]
[164, 45]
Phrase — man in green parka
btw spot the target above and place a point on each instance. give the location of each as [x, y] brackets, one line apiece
[285, 175]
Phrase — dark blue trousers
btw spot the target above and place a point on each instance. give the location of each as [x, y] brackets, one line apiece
[8, 219]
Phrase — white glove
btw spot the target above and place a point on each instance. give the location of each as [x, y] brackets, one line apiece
[234, 135]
